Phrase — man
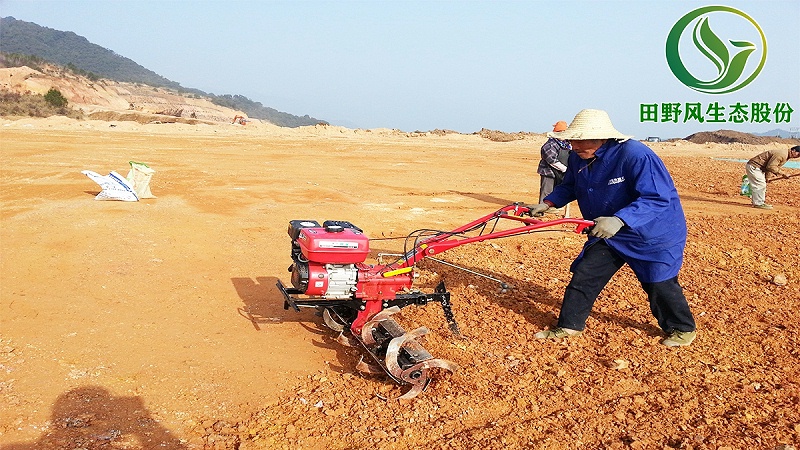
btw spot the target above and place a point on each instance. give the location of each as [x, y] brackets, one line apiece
[624, 187]
[764, 164]
[555, 154]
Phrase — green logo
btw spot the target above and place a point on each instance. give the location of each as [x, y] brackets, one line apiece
[730, 66]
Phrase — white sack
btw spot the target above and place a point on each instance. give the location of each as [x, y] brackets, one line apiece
[139, 176]
[114, 186]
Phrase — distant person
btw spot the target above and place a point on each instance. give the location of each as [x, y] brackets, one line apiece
[624, 187]
[553, 163]
[764, 168]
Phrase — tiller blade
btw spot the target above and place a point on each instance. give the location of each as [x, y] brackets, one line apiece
[398, 353]
[366, 367]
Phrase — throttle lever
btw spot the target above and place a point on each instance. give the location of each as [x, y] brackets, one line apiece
[587, 230]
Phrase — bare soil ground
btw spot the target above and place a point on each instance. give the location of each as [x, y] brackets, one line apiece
[157, 324]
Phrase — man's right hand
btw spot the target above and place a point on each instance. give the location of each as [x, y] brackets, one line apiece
[534, 210]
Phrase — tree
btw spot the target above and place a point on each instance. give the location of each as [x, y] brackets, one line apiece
[55, 98]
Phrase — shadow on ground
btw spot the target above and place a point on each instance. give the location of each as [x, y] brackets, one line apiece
[90, 417]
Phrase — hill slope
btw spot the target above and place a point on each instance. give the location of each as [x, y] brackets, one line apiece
[110, 99]
[81, 57]
[69, 49]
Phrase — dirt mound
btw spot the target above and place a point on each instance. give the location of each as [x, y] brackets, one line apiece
[438, 132]
[731, 137]
[107, 95]
[502, 136]
[111, 116]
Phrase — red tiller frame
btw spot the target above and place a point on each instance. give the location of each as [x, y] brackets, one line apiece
[378, 283]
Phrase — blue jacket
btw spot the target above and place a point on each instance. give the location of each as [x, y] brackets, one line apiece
[628, 180]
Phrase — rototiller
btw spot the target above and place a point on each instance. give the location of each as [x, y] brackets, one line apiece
[357, 300]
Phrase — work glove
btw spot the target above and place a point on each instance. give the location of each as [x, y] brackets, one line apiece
[606, 227]
[536, 210]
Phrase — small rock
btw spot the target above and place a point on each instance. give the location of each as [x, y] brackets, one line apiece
[620, 364]
[335, 412]
[780, 279]
[380, 434]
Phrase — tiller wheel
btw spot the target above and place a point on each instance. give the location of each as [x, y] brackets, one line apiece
[398, 353]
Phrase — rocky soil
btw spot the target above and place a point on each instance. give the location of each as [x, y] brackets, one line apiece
[736, 387]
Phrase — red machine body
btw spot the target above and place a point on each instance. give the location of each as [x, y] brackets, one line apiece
[332, 245]
[373, 284]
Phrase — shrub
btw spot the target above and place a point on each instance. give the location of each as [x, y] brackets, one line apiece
[55, 98]
[13, 104]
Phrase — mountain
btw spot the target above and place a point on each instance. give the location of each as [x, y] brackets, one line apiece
[82, 57]
[777, 132]
[66, 48]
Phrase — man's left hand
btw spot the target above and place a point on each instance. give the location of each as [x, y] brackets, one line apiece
[606, 227]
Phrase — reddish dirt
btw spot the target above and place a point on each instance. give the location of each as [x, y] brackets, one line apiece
[157, 324]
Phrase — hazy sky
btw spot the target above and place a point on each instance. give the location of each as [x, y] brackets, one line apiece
[422, 65]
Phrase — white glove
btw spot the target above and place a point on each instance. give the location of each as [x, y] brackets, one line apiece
[606, 227]
[534, 210]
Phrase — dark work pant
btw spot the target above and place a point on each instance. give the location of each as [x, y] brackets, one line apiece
[600, 262]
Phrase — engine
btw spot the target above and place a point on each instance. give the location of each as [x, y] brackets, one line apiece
[325, 257]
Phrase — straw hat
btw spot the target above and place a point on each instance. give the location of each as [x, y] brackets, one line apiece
[589, 124]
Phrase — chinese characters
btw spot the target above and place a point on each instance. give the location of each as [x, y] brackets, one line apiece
[716, 113]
